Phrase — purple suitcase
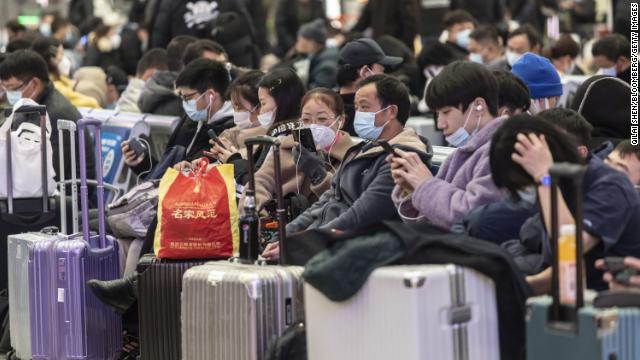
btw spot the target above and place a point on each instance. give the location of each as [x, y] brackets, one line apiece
[68, 321]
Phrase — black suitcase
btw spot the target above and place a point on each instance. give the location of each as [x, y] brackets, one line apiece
[26, 214]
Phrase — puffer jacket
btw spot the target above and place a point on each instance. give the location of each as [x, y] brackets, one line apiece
[158, 97]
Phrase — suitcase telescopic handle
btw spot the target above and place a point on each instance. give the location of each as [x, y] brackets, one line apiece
[270, 141]
[39, 109]
[70, 126]
[84, 191]
[575, 173]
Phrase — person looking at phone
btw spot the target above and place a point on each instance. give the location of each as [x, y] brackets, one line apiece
[201, 86]
[360, 192]
[465, 98]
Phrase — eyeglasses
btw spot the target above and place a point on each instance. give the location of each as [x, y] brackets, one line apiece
[186, 97]
[319, 120]
[24, 83]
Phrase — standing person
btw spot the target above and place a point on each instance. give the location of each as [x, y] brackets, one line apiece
[465, 97]
[359, 59]
[207, 19]
[485, 12]
[398, 19]
[290, 15]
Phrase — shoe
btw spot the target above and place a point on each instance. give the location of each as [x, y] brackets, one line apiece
[119, 294]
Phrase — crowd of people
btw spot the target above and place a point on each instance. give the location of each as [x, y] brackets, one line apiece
[494, 89]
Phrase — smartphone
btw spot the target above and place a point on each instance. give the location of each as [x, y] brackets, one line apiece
[213, 136]
[304, 137]
[615, 265]
[388, 148]
[137, 146]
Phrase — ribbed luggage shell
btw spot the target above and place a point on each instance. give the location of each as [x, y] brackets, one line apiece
[417, 312]
[234, 312]
[159, 288]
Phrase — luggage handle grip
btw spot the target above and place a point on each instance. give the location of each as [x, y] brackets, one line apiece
[84, 192]
[575, 172]
[40, 109]
[262, 140]
[67, 125]
[70, 126]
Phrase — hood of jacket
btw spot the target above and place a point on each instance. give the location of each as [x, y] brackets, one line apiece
[158, 90]
[604, 102]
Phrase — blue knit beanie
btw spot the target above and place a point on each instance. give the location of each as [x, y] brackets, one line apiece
[539, 75]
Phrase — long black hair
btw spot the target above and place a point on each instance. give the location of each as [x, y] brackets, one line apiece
[287, 90]
[509, 175]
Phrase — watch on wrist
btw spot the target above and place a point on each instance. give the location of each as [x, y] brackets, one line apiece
[545, 180]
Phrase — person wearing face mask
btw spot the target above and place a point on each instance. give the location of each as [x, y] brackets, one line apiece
[626, 159]
[563, 55]
[433, 57]
[360, 192]
[24, 74]
[522, 152]
[201, 87]
[541, 78]
[103, 49]
[523, 40]
[243, 93]
[322, 60]
[513, 94]
[465, 98]
[279, 92]
[152, 61]
[459, 24]
[357, 60]
[485, 47]
[59, 66]
[612, 55]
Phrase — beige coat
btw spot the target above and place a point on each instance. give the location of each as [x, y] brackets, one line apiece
[265, 179]
[237, 137]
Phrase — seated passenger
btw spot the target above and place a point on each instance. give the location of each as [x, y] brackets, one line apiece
[626, 158]
[465, 97]
[360, 193]
[522, 152]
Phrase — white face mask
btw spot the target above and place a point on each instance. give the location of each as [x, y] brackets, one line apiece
[610, 71]
[536, 108]
[242, 119]
[323, 136]
[65, 66]
[513, 57]
[266, 119]
[528, 195]
[432, 71]
[116, 40]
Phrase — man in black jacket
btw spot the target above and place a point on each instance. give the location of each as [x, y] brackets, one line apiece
[201, 87]
[25, 71]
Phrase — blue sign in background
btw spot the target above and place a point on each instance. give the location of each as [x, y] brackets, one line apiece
[112, 138]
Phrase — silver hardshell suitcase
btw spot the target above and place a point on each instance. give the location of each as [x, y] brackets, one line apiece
[235, 311]
[20, 247]
[417, 312]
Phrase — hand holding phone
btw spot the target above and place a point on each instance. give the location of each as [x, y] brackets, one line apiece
[304, 137]
[213, 136]
[621, 273]
[137, 146]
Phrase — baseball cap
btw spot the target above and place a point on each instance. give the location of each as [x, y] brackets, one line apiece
[366, 51]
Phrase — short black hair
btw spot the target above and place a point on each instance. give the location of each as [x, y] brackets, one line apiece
[246, 86]
[204, 74]
[626, 148]
[533, 36]
[196, 49]
[435, 53]
[570, 122]
[153, 59]
[18, 44]
[612, 47]
[565, 46]
[486, 33]
[457, 17]
[459, 84]
[287, 90]
[512, 91]
[58, 23]
[176, 49]
[506, 173]
[24, 65]
[391, 91]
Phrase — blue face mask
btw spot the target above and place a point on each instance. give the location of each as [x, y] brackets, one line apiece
[461, 136]
[13, 96]
[365, 125]
[191, 109]
[463, 39]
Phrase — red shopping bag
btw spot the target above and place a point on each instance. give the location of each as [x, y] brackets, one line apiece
[197, 213]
